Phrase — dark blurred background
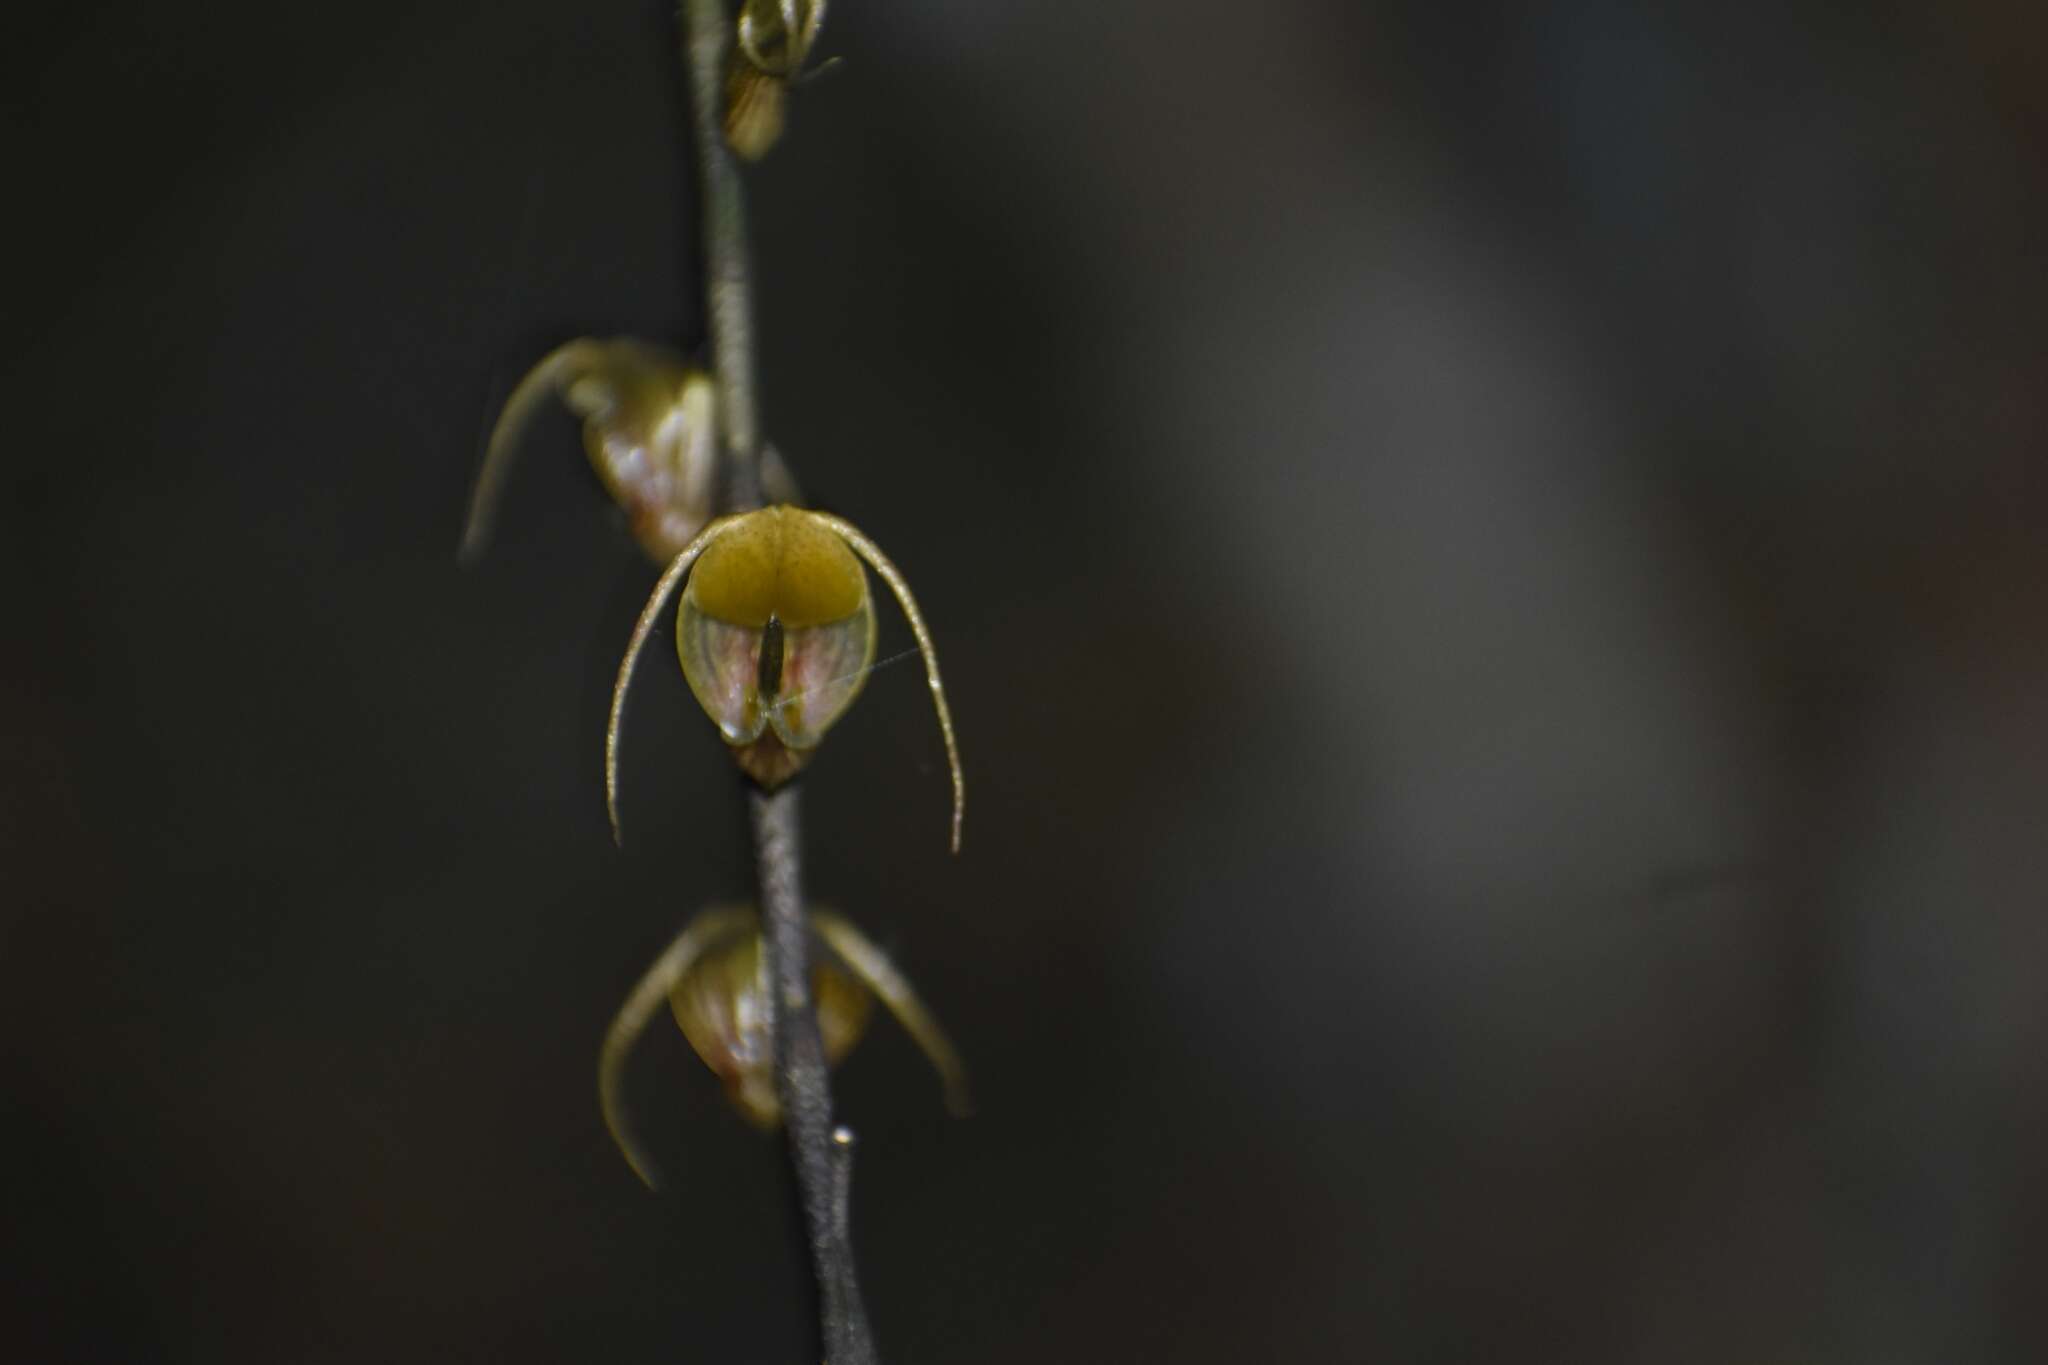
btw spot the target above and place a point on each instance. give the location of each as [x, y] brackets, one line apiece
[1490, 562]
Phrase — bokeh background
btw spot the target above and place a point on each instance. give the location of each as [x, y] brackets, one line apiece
[1491, 566]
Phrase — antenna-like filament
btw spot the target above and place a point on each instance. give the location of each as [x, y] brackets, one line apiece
[648, 997]
[677, 568]
[879, 562]
[555, 370]
[879, 975]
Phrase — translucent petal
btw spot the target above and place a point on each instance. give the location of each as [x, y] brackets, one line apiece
[650, 434]
[722, 665]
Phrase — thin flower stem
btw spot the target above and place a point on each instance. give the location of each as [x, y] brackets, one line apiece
[821, 1155]
[728, 278]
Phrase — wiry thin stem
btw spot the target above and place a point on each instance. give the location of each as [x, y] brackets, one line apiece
[728, 279]
[823, 1159]
[822, 1165]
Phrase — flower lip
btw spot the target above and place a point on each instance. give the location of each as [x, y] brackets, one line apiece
[778, 563]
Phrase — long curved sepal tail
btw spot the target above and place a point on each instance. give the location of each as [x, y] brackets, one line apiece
[868, 962]
[541, 382]
[879, 562]
[647, 998]
[670, 577]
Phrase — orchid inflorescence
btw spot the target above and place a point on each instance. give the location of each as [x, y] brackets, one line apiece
[775, 632]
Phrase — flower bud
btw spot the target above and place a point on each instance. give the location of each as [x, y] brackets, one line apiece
[773, 39]
[755, 105]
